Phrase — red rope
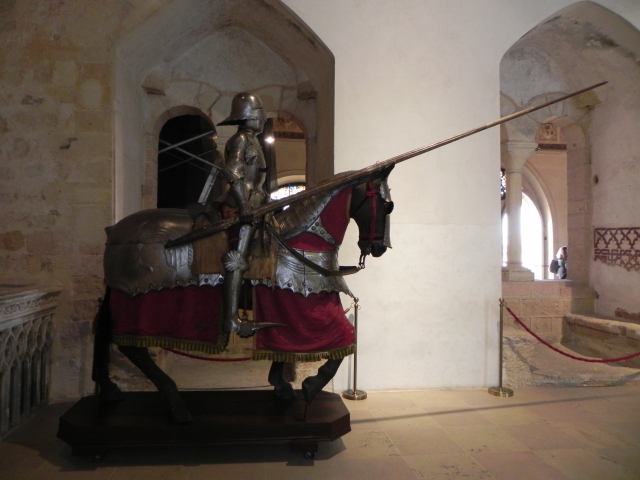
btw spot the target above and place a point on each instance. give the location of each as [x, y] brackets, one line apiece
[609, 360]
[208, 359]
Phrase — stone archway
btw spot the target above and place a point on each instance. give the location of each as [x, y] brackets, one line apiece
[578, 46]
[198, 54]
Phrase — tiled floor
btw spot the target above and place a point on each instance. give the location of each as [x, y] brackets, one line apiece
[539, 434]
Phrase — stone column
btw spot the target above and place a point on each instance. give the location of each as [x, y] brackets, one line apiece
[515, 155]
[580, 205]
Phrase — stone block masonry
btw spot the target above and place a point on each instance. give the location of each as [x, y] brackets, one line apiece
[542, 304]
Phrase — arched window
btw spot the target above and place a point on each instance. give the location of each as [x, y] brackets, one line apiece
[184, 169]
[532, 238]
[287, 190]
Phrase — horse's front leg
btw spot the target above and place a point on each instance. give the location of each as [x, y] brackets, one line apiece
[283, 389]
[140, 357]
[311, 386]
[108, 392]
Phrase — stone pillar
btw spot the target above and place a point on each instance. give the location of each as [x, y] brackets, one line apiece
[579, 220]
[515, 155]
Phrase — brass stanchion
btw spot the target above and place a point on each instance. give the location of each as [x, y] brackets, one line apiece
[354, 393]
[501, 391]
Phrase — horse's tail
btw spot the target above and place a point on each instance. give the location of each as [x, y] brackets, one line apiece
[102, 342]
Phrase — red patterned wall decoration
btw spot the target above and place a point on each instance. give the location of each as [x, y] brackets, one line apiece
[617, 247]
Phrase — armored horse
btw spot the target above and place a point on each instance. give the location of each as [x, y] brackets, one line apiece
[161, 302]
[155, 299]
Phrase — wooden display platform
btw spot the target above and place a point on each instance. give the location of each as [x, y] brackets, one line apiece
[220, 418]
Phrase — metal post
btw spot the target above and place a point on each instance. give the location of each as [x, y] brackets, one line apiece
[499, 391]
[354, 393]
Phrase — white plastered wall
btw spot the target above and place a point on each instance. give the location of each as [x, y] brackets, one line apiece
[409, 73]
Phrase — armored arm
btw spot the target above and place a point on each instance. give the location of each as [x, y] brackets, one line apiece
[234, 169]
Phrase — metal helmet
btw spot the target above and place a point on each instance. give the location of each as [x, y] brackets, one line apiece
[244, 106]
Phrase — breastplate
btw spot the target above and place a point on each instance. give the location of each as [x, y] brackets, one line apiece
[255, 172]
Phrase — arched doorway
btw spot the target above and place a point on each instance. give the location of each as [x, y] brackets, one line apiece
[207, 54]
[290, 149]
[532, 234]
[578, 46]
[186, 152]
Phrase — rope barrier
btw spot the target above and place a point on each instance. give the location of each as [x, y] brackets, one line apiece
[208, 359]
[581, 359]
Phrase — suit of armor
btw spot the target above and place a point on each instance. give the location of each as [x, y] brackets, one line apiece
[245, 169]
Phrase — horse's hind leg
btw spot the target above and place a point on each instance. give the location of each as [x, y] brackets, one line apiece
[140, 357]
[311, 386]
[283, 389]
[108, 392]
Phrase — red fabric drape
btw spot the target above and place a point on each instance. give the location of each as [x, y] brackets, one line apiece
[314, 323]
[184, 313]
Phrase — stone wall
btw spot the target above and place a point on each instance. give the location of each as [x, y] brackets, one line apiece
[57, 144]
[59, 136]
[541, 305]
[56, 159]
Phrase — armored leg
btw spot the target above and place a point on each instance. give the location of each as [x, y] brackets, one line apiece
[236, 264]
[311, 386]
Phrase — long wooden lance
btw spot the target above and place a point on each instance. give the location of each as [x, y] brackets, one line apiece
[358, 176]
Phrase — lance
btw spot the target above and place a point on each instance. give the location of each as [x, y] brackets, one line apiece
[359, 176]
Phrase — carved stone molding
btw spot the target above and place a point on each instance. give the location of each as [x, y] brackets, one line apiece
[17, 301]
[26, 335]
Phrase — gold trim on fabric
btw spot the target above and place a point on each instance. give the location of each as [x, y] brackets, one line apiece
[175, 343]
[334, 354]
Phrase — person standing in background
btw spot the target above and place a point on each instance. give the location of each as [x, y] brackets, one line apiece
[562, 257]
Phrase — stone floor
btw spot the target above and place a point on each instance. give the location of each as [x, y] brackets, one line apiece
[540, 433]
[529, 363]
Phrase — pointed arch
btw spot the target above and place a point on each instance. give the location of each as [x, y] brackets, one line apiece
[580, 45]
[210, 50]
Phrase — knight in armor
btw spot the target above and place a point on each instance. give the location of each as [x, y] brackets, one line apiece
[245, 170]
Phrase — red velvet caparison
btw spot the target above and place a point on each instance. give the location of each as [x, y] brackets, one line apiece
[186, 314]
[191, 315]
[316, 323]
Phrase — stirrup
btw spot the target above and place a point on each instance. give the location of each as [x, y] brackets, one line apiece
[247, 328]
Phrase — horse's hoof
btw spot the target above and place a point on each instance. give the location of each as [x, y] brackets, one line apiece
[110, 393]
[180, 416]
[284, 391]
[282, 404]
[310, 388]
